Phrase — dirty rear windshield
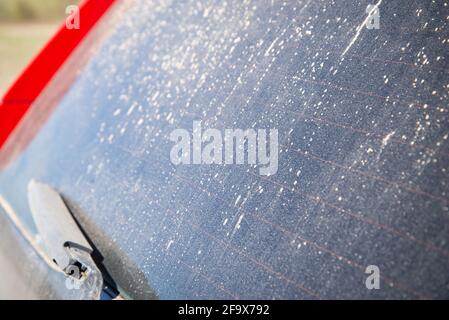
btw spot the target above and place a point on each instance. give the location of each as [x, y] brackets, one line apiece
[361, 115]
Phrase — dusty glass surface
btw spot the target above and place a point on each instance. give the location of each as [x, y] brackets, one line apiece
[362, 116]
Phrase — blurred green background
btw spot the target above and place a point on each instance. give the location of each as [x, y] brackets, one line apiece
[25, 26]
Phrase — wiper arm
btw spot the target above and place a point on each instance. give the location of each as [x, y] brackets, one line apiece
[65, 243]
